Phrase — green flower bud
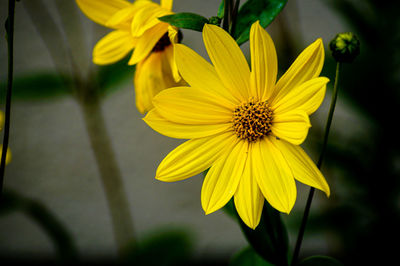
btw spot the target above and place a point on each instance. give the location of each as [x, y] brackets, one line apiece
[345, 47]
[215, 21]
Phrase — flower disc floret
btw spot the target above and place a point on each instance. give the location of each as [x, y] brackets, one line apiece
[252, 120]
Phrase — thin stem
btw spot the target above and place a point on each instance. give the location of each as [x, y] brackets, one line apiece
[330, 116]
[86, 95]
[10, 43]
[110, 174]
[227, 15]
[319, 164]
[234, 17]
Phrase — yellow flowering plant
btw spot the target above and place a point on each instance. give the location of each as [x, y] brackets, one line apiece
[243, 125]
[242, 122]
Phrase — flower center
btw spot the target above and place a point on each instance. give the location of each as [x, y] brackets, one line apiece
[252, 120]
[164, 41]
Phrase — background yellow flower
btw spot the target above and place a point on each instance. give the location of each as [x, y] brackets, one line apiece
[136, 27]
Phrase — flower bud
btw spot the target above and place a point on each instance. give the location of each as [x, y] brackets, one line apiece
[345, 47]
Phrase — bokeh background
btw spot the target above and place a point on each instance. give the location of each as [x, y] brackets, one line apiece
[53, 179]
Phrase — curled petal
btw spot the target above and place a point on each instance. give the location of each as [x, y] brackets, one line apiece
[100, 11]
[147, 41]
[113, 47]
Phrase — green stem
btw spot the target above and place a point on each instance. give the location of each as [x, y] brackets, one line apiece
[319, 164]
[110, 174]
[10, 44]
[234, 18]
[227, 15]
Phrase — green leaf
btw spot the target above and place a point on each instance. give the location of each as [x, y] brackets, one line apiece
[189, 21]
[37, 86]
[263, 10]
[270, 238]
[248, 257]
[221, 10]
[320, 260]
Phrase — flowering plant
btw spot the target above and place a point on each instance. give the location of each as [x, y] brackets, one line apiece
[245, 122]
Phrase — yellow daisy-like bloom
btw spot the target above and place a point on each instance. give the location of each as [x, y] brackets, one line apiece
[241, 124]
[136, 26]
[8, 155]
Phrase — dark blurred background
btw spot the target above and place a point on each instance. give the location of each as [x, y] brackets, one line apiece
[56, 209]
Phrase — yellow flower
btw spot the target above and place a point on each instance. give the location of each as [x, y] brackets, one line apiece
[241, 124]
[136, 26]
[8, 155]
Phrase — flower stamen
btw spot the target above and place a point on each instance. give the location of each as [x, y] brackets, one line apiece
[252, 120]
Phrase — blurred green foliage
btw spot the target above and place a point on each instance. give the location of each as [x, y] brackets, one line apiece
[65, 246]
[363, 214]
[166, 247]
[248, 257]
[319, 261]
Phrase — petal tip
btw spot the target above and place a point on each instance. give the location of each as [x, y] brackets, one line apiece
[327, 191]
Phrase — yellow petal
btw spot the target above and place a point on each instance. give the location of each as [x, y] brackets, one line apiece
[291, 126]
[122, 18]
[182, 131]
[228, 60]
[196, 71]
[264, 63]
[167, 4]
[169, 54]
[1, 120]
[308, 65]
[249, 200]
[303, 168]
[188, 105]
[173, 34]
[223, 178]
[307, 97]
[146, 18]
[147, 42]
[113, 47]
[100, 11]
[273, 175]
[192, 157]
[8, 154]
[148, 81]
